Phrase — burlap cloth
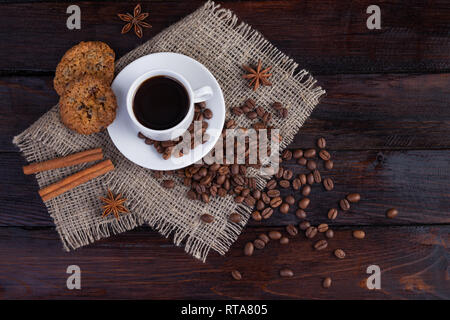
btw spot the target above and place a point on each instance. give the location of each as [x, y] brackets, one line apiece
[213, 37]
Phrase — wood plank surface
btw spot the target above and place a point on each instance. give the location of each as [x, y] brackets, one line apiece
[359, 112]
[323, 36]
[141, 264]
[414, 182]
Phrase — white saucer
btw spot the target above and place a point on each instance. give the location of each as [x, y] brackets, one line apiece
[123, 132]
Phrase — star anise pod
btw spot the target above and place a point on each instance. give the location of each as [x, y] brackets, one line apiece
[258, 77]
[137, 21]
[113, 205]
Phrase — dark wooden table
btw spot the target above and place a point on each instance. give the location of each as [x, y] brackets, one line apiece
[386, 117]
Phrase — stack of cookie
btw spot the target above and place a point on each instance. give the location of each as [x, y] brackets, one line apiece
[83, 77]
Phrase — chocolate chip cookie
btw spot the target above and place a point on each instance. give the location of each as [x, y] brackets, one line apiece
[88, 105]
[94, 58]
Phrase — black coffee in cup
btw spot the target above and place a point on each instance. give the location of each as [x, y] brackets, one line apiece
[160, 103]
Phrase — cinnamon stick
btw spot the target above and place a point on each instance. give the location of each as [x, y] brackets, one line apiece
[71, 160]
[75, 180]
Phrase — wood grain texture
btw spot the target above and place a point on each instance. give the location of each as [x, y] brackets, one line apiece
[141, 264]
[323, 36]
[359, 112]
[414, 182]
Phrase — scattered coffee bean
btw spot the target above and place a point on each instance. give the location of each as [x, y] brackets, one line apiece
[284, 208]
[317, 176]
[328, 184]
[344, 204]
[353, 197]
[321, 244]
[304, 203]
[207, 218]
[265, 198]
[302, 161]
[237, 111]
[256, 215]
[311, 232]
[208, 114]
[264, 238]
[284, 240]
[310, 178]
[326, 283]
[235, 217]
[303, 179]
[236, 275]
[322, 227]
[286, 155]
[287, 174]
[329, 234]
[304, 225]
[260, 205]
[391, 213]
[359, 234]
[296, 184]
[283, 112]
[310, 153]
[275, 235]
[259, 244]
[273, 193]
[321, 143]
[277, 106]
[306, 190]
[300, 213]
[290, 200]
[276, 202]
[267, 213]
[286, 273]
[332, 213]
[284, 184]
[311, 165]
[248, 249]
[329, 164]
[271, 184]
[298, 154]
[339, 253]
[291, 230]
[169, 184]
[324, 155]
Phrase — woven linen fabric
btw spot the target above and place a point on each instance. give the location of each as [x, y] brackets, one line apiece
[212, 36]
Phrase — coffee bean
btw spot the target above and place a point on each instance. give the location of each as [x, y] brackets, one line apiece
[192, 195]
[279, 173]
[302, 178]
[235, 217]
[260, 205]
[273, 193]
[265, 198]
[311, 232]
[339, 253]
[322, 227]
[292, 230]
[306, 190]
[264, 238]
[353, 197]
[296, 184]
[275, 235]
[304, 203]
[271, 184]
[283, 112]
[256, 194]
[207, 218]
[230, 124]
[237, 111]
[276, 202]
[236, 275]
[304, 225]
[321, 143]
[328, 184]
[239, 199]
[300, 213]
[359, 234]
[239, 180]
[320, 245]
[256, 215]
[248, 249]
[259, 244]
[310, 178]
[245, 192]
[310, 153]
[391, 213]
[267, 213]
[287, 174]
[329, 164]
[284, 184]
[311, 165]
[169, 184]
[298, 154]
[332, 214]
[284, 208]
[286, 155]
[286, 273]
[345, 205]
[250, 103]
[284, 240]
[250, 201]
[324, 155]
[208, 114]
[290, 200]
[317, 176]
[252, 115]
[329, 234]
[234, 169]
[326, 283]
[302, 161]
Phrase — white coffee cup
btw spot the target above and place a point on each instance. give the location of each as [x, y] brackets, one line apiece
[198, 95]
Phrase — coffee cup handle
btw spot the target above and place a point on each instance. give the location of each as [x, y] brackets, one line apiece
[202, 94]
